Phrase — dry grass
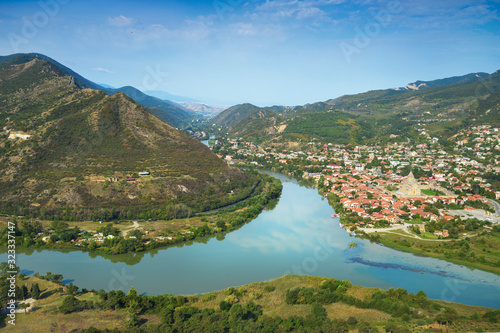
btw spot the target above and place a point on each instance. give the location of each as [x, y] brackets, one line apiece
[48, 320]
[46, 317]
[273, 302]
[463, 309]
[343, 311]
[361, 293]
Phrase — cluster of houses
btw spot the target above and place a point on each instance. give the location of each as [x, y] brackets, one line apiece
[369, 199]
[380, 191]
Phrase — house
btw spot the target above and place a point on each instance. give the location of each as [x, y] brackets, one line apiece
[19, 135]
[334, 166]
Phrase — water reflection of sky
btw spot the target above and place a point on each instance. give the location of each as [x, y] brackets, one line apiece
[303, 226]
[297, 236]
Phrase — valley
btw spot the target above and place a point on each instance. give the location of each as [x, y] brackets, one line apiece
[102, 179]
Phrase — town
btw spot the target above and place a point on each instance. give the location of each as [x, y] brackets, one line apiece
[427, 189]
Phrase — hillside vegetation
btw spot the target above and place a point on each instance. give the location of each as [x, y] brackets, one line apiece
[83, 150]
[445, 106]
[287, 304]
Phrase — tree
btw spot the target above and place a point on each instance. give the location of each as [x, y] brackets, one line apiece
[24, 292]
[35, 291]
[318, 311]
[23, 306]
[70, 304]
[453, 232]
[59, 226]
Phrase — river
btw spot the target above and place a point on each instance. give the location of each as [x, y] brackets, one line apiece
[297, 236]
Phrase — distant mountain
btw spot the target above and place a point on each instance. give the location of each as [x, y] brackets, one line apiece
[167, 96]
[417, 85]
[66, 150]
[170, 112]
[203, 109]
[249, 121]
[106, 86]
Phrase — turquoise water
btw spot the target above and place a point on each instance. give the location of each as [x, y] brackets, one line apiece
[298, 236]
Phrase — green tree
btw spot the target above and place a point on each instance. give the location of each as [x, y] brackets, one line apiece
[70, 304]
[24, 292]
[35, 291]
[59, 226]
[318, 311]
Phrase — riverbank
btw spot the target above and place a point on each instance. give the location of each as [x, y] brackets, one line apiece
[479, 250]
[288, 303]
[138, 236]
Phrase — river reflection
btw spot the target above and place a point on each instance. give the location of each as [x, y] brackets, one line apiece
[298, 236]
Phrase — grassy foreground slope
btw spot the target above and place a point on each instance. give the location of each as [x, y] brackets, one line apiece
[287, 304]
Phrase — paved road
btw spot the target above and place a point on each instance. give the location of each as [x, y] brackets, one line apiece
[405, 228]
[370, 230]
[496, 205]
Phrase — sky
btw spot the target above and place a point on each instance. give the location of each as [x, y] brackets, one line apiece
[265, 52]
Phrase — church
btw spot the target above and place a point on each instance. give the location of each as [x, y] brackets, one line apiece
[410, 187]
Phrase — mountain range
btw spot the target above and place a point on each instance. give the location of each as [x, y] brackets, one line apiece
[168, 111]
[443, 106]
[68, 147]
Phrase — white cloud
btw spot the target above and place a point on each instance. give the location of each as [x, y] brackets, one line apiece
[245, 29]
[120, 21]
[310, 12]
[104, 70]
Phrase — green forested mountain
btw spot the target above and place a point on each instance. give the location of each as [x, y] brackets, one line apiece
[169, 112]
[417, 85]
[446, 104]
[66, 149]
[249, 121]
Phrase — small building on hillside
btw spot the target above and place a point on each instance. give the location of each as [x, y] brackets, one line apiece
[19, 135]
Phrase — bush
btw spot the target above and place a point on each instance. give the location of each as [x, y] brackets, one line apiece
[224, 306]
[351, 321]
[269, 288]
[318, 311]
[70, 305]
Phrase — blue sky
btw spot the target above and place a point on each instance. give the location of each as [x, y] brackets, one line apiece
[286, 52]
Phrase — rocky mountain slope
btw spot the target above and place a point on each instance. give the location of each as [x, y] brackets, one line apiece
[68, 149]
[447, 104]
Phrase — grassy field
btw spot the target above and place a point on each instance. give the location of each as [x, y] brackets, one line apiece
[481, 252]
[428, 192]
[165, 228]
[269, 295]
